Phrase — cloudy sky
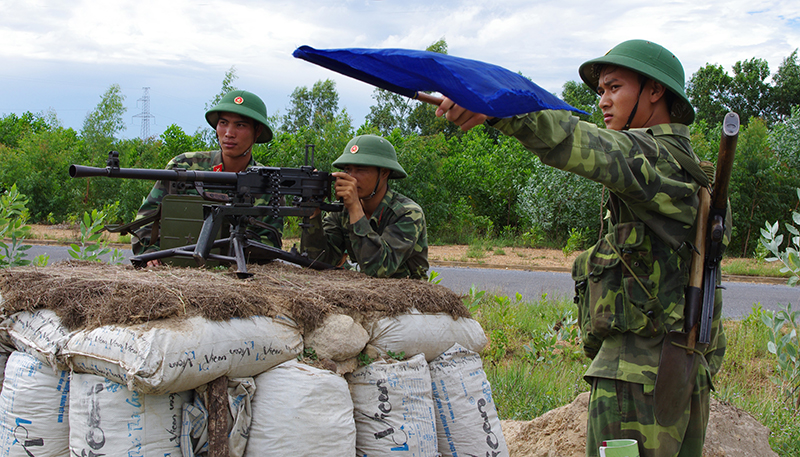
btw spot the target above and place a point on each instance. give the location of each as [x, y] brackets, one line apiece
[62, 56]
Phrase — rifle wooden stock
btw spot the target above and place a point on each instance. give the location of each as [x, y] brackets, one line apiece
[694, 293]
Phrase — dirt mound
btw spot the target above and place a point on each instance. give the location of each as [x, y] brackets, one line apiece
[561, 432]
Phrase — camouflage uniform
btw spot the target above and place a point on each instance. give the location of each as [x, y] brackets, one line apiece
[392, 244]
[630, 285]
[141, 241]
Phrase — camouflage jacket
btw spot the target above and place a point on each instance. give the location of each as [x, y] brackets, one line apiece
[392, 243]
[203, 161]
[630, 285]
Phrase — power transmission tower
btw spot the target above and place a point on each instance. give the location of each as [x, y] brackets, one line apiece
[145, 114]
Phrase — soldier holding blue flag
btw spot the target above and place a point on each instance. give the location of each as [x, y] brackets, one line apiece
[630, 285]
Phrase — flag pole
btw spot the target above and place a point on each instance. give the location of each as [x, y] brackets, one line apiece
[428, 98]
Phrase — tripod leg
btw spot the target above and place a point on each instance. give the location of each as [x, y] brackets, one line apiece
[238, 251]
[205, 240]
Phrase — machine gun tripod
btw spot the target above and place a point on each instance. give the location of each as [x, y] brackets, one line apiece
[233, 196]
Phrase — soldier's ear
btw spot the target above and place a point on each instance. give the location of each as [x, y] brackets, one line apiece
[658, 91]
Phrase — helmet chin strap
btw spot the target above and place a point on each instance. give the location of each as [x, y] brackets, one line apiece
[247, 151]
[642, 82]
[377, 183]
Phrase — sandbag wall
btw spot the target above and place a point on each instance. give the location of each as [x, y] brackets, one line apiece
[141, 389]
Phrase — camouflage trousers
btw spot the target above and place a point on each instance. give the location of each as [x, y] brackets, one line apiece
[619, 409]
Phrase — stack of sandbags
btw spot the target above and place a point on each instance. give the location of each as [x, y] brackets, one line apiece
[156, 337]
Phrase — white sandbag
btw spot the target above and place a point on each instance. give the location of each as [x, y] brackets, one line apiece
[394, 409]
[105, 418]
[338, 338]
[430, 334]
[194, 431]
[38, 333]
[301, 410]
[34, 409]
[467, 422]
[172, 355]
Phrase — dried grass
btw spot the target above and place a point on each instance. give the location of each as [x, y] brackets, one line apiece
[91, 294]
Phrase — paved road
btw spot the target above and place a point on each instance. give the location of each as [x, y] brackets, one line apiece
[738, 297]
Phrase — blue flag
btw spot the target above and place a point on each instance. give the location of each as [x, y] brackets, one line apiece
[477, 86]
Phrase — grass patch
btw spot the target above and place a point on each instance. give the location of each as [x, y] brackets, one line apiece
[476, 250]
[527, 358]
[753, 267]
[745, 381]
[534, 363]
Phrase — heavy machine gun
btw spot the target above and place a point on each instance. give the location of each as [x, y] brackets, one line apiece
[232, 198]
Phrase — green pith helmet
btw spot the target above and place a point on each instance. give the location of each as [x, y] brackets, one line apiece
[243, 103]
[371, 151]
[651, 60]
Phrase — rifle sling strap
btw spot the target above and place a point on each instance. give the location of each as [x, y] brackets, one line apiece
[688, 161]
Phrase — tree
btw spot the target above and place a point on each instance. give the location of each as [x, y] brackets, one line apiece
[750, 94]
[99, 130]
[104, 122]
[175, 142]
[38, 167]
[580, 96]
[389, 112]
[288, 149]
[709, 92]
[227, 86]
[557, 202]
[422, 158]
[758, 190]
[489, 173]
[311, 108]
[208, 135]
[13, 128]
[713, 92]
[786, 87]
[785, 141]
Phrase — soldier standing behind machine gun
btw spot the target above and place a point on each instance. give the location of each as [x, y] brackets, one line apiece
[240, 121]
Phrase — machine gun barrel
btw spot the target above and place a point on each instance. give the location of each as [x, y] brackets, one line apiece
[176, 174]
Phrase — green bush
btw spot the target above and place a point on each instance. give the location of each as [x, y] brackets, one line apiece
[13, 226]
